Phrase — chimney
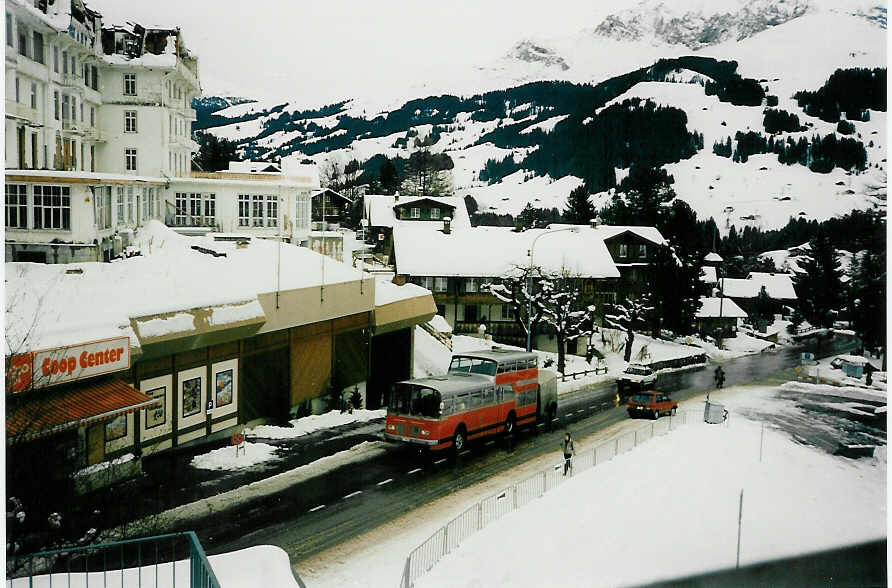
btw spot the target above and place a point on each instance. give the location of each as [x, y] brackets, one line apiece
[396, 196]
[447, 224]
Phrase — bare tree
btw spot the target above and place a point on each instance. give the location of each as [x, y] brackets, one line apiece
[630, 316]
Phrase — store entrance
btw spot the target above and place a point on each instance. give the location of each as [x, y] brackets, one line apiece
[265, 391]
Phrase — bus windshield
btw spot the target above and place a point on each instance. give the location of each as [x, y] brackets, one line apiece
[415, 400]
[472, 365]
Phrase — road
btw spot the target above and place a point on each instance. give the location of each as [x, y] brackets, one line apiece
[326, 511]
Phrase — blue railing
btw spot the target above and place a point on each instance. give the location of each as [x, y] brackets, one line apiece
[162, 561]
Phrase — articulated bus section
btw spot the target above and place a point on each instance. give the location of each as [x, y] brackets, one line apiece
[485, 393]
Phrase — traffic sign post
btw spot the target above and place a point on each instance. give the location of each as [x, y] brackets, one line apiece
[238, 439]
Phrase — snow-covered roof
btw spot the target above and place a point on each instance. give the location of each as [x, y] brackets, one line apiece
[53, 305]
[607, 232]
[496, 251]
[440, 324]
[711, 307]
[713, 257]
[387, 292]
[708, 275]
[249, 166]
[778, 286]
[379, 211]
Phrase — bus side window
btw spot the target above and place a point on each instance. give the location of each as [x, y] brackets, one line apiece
[531, 364]
[502, 369]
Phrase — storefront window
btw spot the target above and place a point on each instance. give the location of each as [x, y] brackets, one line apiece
[191, 397]
[223, 395]
[156, 415]
[116, 428]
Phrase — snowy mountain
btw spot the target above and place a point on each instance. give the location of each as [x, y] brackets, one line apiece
[695, 26]
[519, 132]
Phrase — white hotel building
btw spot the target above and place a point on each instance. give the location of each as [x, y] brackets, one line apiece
[98, 141]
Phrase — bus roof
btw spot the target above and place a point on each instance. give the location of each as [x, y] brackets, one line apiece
[498, 354]
[453, 384]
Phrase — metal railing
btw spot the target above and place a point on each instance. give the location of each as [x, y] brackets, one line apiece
[598, 370]
[175, 559]
[492, 508]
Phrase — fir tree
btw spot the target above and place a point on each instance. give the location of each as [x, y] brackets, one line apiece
[580, 209]
[677, 288]
[868, 292]
[390, 180]
[819, 287]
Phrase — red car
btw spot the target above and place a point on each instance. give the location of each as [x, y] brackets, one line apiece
[651, 403]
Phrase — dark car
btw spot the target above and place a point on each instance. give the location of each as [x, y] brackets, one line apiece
[652, 404]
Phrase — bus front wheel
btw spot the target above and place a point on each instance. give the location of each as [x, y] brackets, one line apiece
[510, 423]
[460, 439]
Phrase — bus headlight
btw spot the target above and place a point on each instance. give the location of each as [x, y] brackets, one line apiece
[391, 427]
[425, 433]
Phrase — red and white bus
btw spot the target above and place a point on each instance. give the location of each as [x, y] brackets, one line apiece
[485, 393]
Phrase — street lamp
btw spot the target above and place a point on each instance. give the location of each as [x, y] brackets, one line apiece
[573, 229]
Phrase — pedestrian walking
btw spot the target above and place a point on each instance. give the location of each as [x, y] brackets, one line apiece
[569, 452]
[719, 377]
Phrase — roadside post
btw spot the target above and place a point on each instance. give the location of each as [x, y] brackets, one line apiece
[238, 440]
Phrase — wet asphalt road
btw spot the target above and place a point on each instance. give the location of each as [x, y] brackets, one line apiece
[310, 517]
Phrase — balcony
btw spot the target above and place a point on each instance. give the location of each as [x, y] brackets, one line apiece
[95, 135]
[72, 126]
[141, 99]
[71, 80]
[23, 111]
[182, 142]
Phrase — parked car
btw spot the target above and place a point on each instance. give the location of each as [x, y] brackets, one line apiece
[636, 377]
[652, 404]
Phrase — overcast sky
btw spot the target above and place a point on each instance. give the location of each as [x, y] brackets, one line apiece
[318, 50]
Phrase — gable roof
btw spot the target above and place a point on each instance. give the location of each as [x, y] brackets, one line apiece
[608, 232]
[713, 257]
[497, 251]
[331, 192]
[379, 211]
[414, 201]
[712, 307]
[778, 286]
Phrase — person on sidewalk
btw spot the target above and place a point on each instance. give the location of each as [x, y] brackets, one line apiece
[569, 452]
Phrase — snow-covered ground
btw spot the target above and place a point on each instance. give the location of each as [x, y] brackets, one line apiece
[309, 424]
[797, 499]
[232, 458]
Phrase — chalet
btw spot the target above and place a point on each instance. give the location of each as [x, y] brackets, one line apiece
[745, 292]
[432, 213]
[718, 317]
[329, 209]
[456, 266]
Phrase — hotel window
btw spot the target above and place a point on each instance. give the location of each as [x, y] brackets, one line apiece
[129, 84]
[23, 41]
[9, 36]
[414, 213]
[244, 210]
[102, 198]
[130, 159]
[129, 121]
[34, 95]
[194, 207]
[623, 250]
[55, 59]
[427, 282]
[65, 62]
[92, 116]
[507, 312]
[94, 79]
[471, 285]
[16, 205]
[435, 213]
[119, 204]
[145, 210]
[642, 251]
[302, 212]
[272, 210]
[17, 92]
[37, 47]
[210, 210]
[182, 203]
[130, 213]
[440, 284]
[257, 210]
[56, 104]
[52, 207]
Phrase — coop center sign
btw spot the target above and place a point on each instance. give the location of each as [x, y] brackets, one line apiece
[67, 364]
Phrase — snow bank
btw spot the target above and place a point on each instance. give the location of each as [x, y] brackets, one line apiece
[225, 458]
[604, 519]
[261, 566]
[836, 391]
[96, 468]
[312, 423]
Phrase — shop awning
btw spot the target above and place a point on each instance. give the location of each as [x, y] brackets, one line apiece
[47, 412]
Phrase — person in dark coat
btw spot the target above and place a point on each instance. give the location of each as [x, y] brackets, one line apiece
[569, 451]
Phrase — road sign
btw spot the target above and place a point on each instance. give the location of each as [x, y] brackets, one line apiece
[806, 356]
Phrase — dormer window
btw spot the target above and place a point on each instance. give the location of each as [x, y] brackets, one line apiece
[623, 250]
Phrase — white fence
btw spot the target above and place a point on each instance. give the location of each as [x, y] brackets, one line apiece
[490, 509]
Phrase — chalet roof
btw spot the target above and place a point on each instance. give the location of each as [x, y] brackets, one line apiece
[708, 275]
[711, 307]
[334, 193]
[412, 201]
[379, 212]
[608, 232]
[714, 257]
[497, 251]
[778, 286]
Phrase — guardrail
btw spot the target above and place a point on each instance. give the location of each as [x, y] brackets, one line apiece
[132, 563]
[492, 508]
[583, 373]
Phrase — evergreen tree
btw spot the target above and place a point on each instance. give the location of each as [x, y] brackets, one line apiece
[389, 177]
[868, 292]
[428, 174]
[639, 197]
[214, 153]
[677, 288]
[580, 209]
[819, 288]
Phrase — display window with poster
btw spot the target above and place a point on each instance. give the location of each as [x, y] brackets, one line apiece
[225, 392]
